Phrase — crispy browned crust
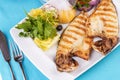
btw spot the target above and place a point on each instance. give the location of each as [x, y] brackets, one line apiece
[105, 45]
[65, 63]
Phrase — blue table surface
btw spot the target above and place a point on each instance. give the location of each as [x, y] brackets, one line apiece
[11, 12]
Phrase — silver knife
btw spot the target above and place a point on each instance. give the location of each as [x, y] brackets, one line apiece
[5, 51]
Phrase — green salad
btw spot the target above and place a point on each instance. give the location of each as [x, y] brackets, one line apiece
[39, 24]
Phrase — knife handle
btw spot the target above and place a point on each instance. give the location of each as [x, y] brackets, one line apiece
[12, 71]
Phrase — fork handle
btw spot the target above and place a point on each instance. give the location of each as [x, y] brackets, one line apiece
[12, 71]
[22, 70]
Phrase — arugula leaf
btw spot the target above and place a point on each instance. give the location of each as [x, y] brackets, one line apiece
[50, 32]
[41, 27]
[26, 26]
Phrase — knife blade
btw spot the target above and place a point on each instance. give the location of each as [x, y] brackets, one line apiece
[4, 47]
[5, 51]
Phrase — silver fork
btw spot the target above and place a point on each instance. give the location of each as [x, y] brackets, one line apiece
[18, 56]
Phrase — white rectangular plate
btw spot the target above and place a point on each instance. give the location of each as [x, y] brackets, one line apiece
[44, 61]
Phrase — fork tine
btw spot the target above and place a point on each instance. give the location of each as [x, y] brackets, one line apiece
[15, 49]
[12, 48]
[18, 50]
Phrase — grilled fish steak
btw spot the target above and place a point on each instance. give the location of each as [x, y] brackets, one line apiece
[104, 23]
[74, 42]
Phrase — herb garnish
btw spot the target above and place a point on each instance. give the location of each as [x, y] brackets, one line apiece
[82, 3]
[41, 26]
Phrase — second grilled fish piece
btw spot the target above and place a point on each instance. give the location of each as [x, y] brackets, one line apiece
[104, 23]
[74, 42]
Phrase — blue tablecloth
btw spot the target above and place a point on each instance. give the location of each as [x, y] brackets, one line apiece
[11, 12]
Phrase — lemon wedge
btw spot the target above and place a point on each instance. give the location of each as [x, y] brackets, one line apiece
[65, 16]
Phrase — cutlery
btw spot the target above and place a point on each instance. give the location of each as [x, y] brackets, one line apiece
[18, 56]
[5, 51]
